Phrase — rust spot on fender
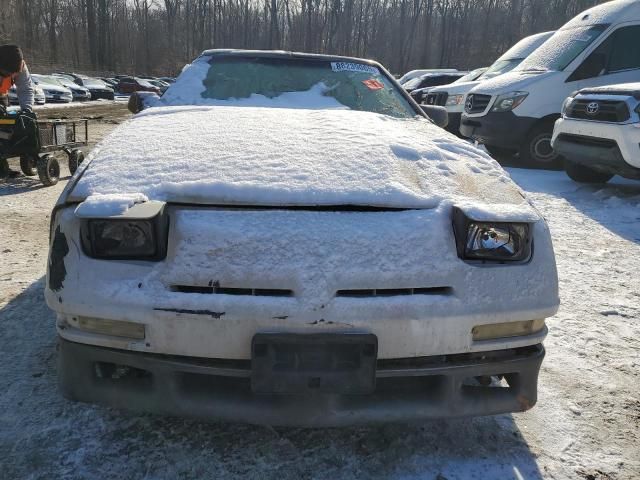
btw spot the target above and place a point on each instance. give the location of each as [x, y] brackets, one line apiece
[57, 270]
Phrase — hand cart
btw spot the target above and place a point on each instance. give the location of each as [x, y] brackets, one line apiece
[34, 141]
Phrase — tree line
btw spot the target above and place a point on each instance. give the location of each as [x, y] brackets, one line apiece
[160, 36]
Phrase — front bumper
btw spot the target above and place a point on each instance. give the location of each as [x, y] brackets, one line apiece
[500, 129]
[454, 123]
[612, 148]
[406, 389]
[102, 94]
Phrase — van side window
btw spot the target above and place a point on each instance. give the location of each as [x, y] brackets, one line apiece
[596, 63]
[619, 52]
[625, 54]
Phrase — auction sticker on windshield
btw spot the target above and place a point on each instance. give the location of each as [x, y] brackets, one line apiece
[373, 84]
[353, 67]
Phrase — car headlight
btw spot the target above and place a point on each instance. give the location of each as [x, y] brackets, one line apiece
[509, 101]
[568, 102]
[491, 241]
[124, 238]
[454, 100]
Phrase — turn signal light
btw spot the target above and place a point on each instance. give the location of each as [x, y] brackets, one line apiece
[114, 328]
[504, 330]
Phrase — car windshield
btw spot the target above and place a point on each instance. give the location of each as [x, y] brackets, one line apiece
[38, 79]
[499, 67]
[413, 83]
[144, 83]
[291, 83]
[90, 81]
[562, 48]
[469, 77]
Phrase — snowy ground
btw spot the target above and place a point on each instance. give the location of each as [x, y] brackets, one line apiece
[586, 424]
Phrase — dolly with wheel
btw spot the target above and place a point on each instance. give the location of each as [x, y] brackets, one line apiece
[35, 141]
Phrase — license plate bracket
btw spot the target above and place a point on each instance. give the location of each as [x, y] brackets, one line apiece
[318, 363]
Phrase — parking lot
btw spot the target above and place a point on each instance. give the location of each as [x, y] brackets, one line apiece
[586, 424]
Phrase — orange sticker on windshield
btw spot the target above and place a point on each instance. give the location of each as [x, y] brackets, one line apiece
[372, 84]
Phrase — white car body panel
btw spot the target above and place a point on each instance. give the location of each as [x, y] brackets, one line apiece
[237, 248]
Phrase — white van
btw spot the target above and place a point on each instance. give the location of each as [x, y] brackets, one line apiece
[416, 73]
[451, 96]
[516, 111]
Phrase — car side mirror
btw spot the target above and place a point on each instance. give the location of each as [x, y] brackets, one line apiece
[439, 115]
[138, 101]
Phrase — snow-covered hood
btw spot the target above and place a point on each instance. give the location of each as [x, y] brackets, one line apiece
[455, 88]
[280, 157]
[512, 81]
[631, 89]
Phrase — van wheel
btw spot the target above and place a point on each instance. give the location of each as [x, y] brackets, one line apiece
[537, 151]
[28, 165]
[500, 153]
[48, 170]
[581, 174]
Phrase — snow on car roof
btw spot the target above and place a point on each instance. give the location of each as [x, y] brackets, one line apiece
[267, 156]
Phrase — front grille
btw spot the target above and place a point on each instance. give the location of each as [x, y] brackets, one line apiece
[439, 99]
[588, 141]
[476, 103]
[614, 111]
[218, 290]
[392, 292]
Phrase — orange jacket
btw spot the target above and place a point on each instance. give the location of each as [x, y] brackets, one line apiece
[5, 84]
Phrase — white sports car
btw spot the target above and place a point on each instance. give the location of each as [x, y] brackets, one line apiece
[288, 239]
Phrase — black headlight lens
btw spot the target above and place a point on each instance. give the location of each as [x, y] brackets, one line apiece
[122, 238]
[491, 241]
[126, 238]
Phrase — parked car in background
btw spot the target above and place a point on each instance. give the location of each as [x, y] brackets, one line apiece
[168, 80]
[111, 82]
[599, 133]
[39, 97]
[420, 94]
[432, 80]
[304, 248]
[98, 88]
[416, 73]
[128, 85]
[78, 93]
[54, 91]
[160, 84]
[516, 112]
[452, 96]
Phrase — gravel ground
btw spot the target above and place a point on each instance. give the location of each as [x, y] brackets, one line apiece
[586, 424]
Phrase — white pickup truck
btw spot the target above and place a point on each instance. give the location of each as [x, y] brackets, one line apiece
[599, 133]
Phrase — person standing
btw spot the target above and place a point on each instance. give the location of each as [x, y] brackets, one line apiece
[14, 71]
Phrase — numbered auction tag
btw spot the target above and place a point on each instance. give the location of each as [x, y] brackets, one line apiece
[354, 67]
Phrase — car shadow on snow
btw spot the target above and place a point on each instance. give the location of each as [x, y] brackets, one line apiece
[615, 205]
[43, 435]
